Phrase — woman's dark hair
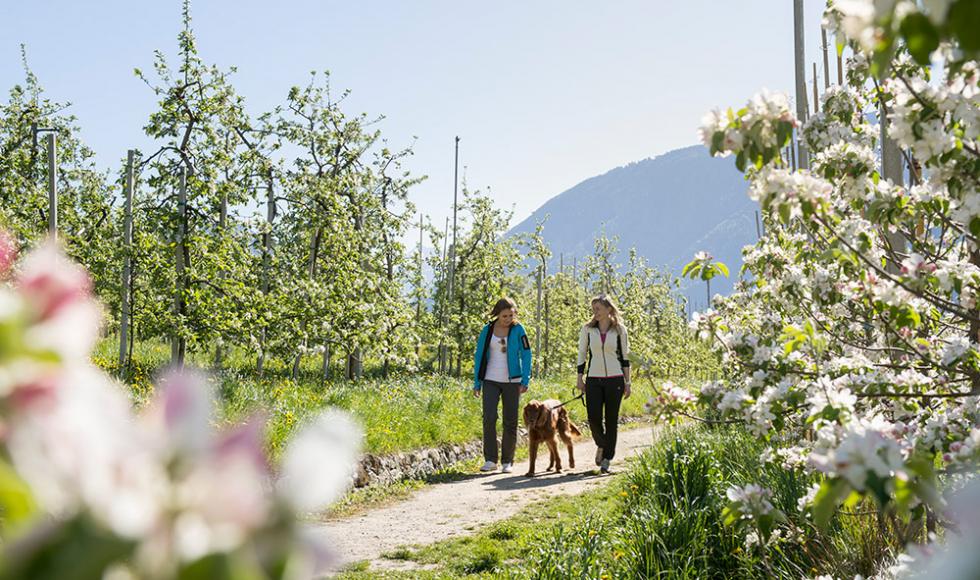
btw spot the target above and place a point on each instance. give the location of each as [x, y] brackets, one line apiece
[504, 303]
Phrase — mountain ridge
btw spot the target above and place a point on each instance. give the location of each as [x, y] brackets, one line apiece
[667, 207]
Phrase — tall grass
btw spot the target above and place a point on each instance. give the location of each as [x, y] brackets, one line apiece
[404, 412]
[669, 522]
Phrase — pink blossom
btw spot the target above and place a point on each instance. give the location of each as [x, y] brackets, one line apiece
[52, 283]
[8, 252]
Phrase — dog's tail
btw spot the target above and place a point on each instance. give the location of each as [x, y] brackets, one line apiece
[566, 426]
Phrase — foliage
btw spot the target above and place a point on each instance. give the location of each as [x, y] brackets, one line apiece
[664, 518]
[854, 332]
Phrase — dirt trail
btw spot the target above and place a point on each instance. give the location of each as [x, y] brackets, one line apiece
[456, 508]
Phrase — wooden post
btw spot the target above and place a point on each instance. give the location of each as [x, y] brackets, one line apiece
[537, 320]
[177, 344]
[127, 259]
[892, 170]
[840, 69]
[816, 95]
[418, 297]
[443, 354]
[799, 54]
[452, 247]
[267, 244]
[826, 61]
[547, 331]
[52, 184]
[222, 224]
[792, 151]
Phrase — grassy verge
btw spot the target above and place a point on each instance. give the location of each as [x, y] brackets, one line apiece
[398, 414]
[661, 519]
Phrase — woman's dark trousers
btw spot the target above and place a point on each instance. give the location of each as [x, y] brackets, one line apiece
[602, 399]
[492, 393]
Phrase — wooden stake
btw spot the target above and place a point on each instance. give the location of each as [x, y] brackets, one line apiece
[816, 96]
[800, 67]
[52, 185]
[826, 61]
[127, 259]
[177, 343]
[840, 69]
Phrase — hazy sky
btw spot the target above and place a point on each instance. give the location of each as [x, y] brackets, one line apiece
[542, 93]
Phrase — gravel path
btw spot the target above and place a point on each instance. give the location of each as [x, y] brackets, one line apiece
[450, 509]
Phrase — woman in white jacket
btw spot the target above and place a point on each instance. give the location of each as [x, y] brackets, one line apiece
[604, 362]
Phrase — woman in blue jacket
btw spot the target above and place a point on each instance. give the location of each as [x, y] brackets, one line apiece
[501, 370]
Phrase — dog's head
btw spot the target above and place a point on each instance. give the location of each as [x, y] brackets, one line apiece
[536, 414]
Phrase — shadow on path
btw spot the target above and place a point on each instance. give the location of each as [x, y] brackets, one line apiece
[545, 479]
[453, 477]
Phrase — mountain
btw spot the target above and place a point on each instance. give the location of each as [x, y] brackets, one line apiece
[667, 207]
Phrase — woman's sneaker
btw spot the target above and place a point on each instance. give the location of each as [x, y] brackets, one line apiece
[489, 466]
[604, 467]
[507, 468]
[598, 456]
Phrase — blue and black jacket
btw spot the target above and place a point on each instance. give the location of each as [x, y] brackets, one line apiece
[518, 355]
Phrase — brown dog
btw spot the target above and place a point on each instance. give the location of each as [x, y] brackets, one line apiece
[546, 421]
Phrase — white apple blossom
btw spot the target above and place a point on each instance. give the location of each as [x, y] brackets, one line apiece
[865, 448]
[752, 499]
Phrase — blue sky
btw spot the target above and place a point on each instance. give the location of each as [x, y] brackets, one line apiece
[543, 94]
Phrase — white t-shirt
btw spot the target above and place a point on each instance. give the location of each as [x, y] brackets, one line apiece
[497, 362]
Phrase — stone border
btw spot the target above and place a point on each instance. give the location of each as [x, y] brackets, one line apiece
[375, 469]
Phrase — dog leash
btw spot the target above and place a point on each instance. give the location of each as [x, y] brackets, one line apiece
[579, 396]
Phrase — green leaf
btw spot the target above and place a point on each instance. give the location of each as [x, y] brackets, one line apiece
[722, 268]
[16, 501]
[828, 497]
[730, 516]
[690, 268]
[784, 213]
[907, 317]
[964, 21]
[78, 549]
[221, 567]
[921, 36]
[716, 141]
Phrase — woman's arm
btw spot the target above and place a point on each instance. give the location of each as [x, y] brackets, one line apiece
[624, 361]
[583, 345]
[525, 360]
[478, 358]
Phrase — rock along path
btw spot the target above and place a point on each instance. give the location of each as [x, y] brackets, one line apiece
[455, 508]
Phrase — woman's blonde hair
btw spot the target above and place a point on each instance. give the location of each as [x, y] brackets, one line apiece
[504, 303]
[613, 311]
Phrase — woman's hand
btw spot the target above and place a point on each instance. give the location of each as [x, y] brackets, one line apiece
[476, 393]
[580, 385]
[626, 390]
[523, 389]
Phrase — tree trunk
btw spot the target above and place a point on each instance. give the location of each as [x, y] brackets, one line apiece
[178, 344]
[311, 272]
[222, 224]
[267, 242]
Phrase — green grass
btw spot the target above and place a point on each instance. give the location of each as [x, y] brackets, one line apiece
[661, 519]
[400, 413]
